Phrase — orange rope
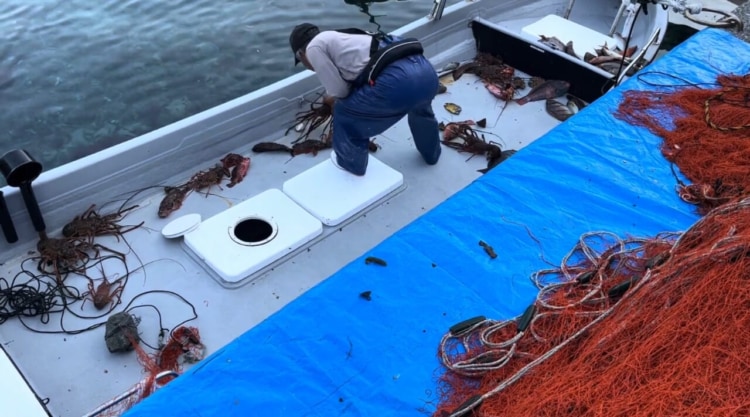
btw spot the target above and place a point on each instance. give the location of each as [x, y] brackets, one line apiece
[704, 135]
[672, 342]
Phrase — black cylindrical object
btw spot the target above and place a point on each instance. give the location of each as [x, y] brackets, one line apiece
[32, 206]
[18, 166]
[9, 230]
[20, 169]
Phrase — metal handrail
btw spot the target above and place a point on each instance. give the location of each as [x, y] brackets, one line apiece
[437, 10]
[727, 21]
[569, 9]
[618, 17]
[638, 56]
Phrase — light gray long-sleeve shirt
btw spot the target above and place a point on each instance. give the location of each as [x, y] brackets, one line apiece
[338, 58]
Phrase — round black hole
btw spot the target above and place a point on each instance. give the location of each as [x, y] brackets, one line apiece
[253, 230]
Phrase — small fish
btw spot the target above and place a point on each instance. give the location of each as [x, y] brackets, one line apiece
[493, 162]
[309, 146]
[508, 153]
[602, 50]
[367, 295]
[552, 42]
[271, 147]
[451, 66]
[558, 110]
[173, 200]
[373, 260]
[503, 93]
[548, 89]
[448, 68]
[452, 108]
[602, 59]
[494, 89]
[569, 50]
[536, 81]
[574, 103]
[442, 88]
[617, 53]
[464, 68]
[615, 67]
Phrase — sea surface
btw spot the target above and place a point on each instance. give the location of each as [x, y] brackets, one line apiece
[78, 76]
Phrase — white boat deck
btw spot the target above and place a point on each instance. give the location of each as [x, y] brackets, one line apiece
[224, 314]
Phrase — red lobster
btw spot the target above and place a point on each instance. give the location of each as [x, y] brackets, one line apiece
[106, 293]
[472, 143]
[239, 165]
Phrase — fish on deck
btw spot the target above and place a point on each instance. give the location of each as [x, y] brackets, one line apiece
[563, 112]
[547, 90]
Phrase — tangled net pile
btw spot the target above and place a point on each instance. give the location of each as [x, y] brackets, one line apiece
[623, 327]
[705, 132]
[646, 327]
[184, 346]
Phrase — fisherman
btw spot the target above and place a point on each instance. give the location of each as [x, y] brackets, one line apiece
[371, 81]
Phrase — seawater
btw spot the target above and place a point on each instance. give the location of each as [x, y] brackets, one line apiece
[79, 76]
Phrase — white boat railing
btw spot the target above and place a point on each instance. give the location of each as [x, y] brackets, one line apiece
[638, 56]
[569, 9]
[623, 6]
[437, 10]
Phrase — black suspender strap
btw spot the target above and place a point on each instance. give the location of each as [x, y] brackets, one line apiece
[388, 55]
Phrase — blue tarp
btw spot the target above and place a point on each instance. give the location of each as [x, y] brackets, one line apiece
[330, 352]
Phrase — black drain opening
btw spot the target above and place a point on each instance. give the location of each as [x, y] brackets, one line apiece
[253, 230]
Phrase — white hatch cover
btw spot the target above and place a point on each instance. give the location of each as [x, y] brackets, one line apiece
[181, 225]
[242, 240]
[334, 195]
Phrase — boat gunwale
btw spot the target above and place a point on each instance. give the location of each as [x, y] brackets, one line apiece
[167, 153]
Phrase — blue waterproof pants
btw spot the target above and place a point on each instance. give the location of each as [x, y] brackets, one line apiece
[404, 88]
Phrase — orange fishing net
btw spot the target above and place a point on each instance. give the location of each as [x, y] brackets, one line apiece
[161, 368]
[632, 327]
[706, 133]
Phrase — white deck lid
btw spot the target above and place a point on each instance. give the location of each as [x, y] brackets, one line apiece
[216, 245]
[334, 195]
[181, 225]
